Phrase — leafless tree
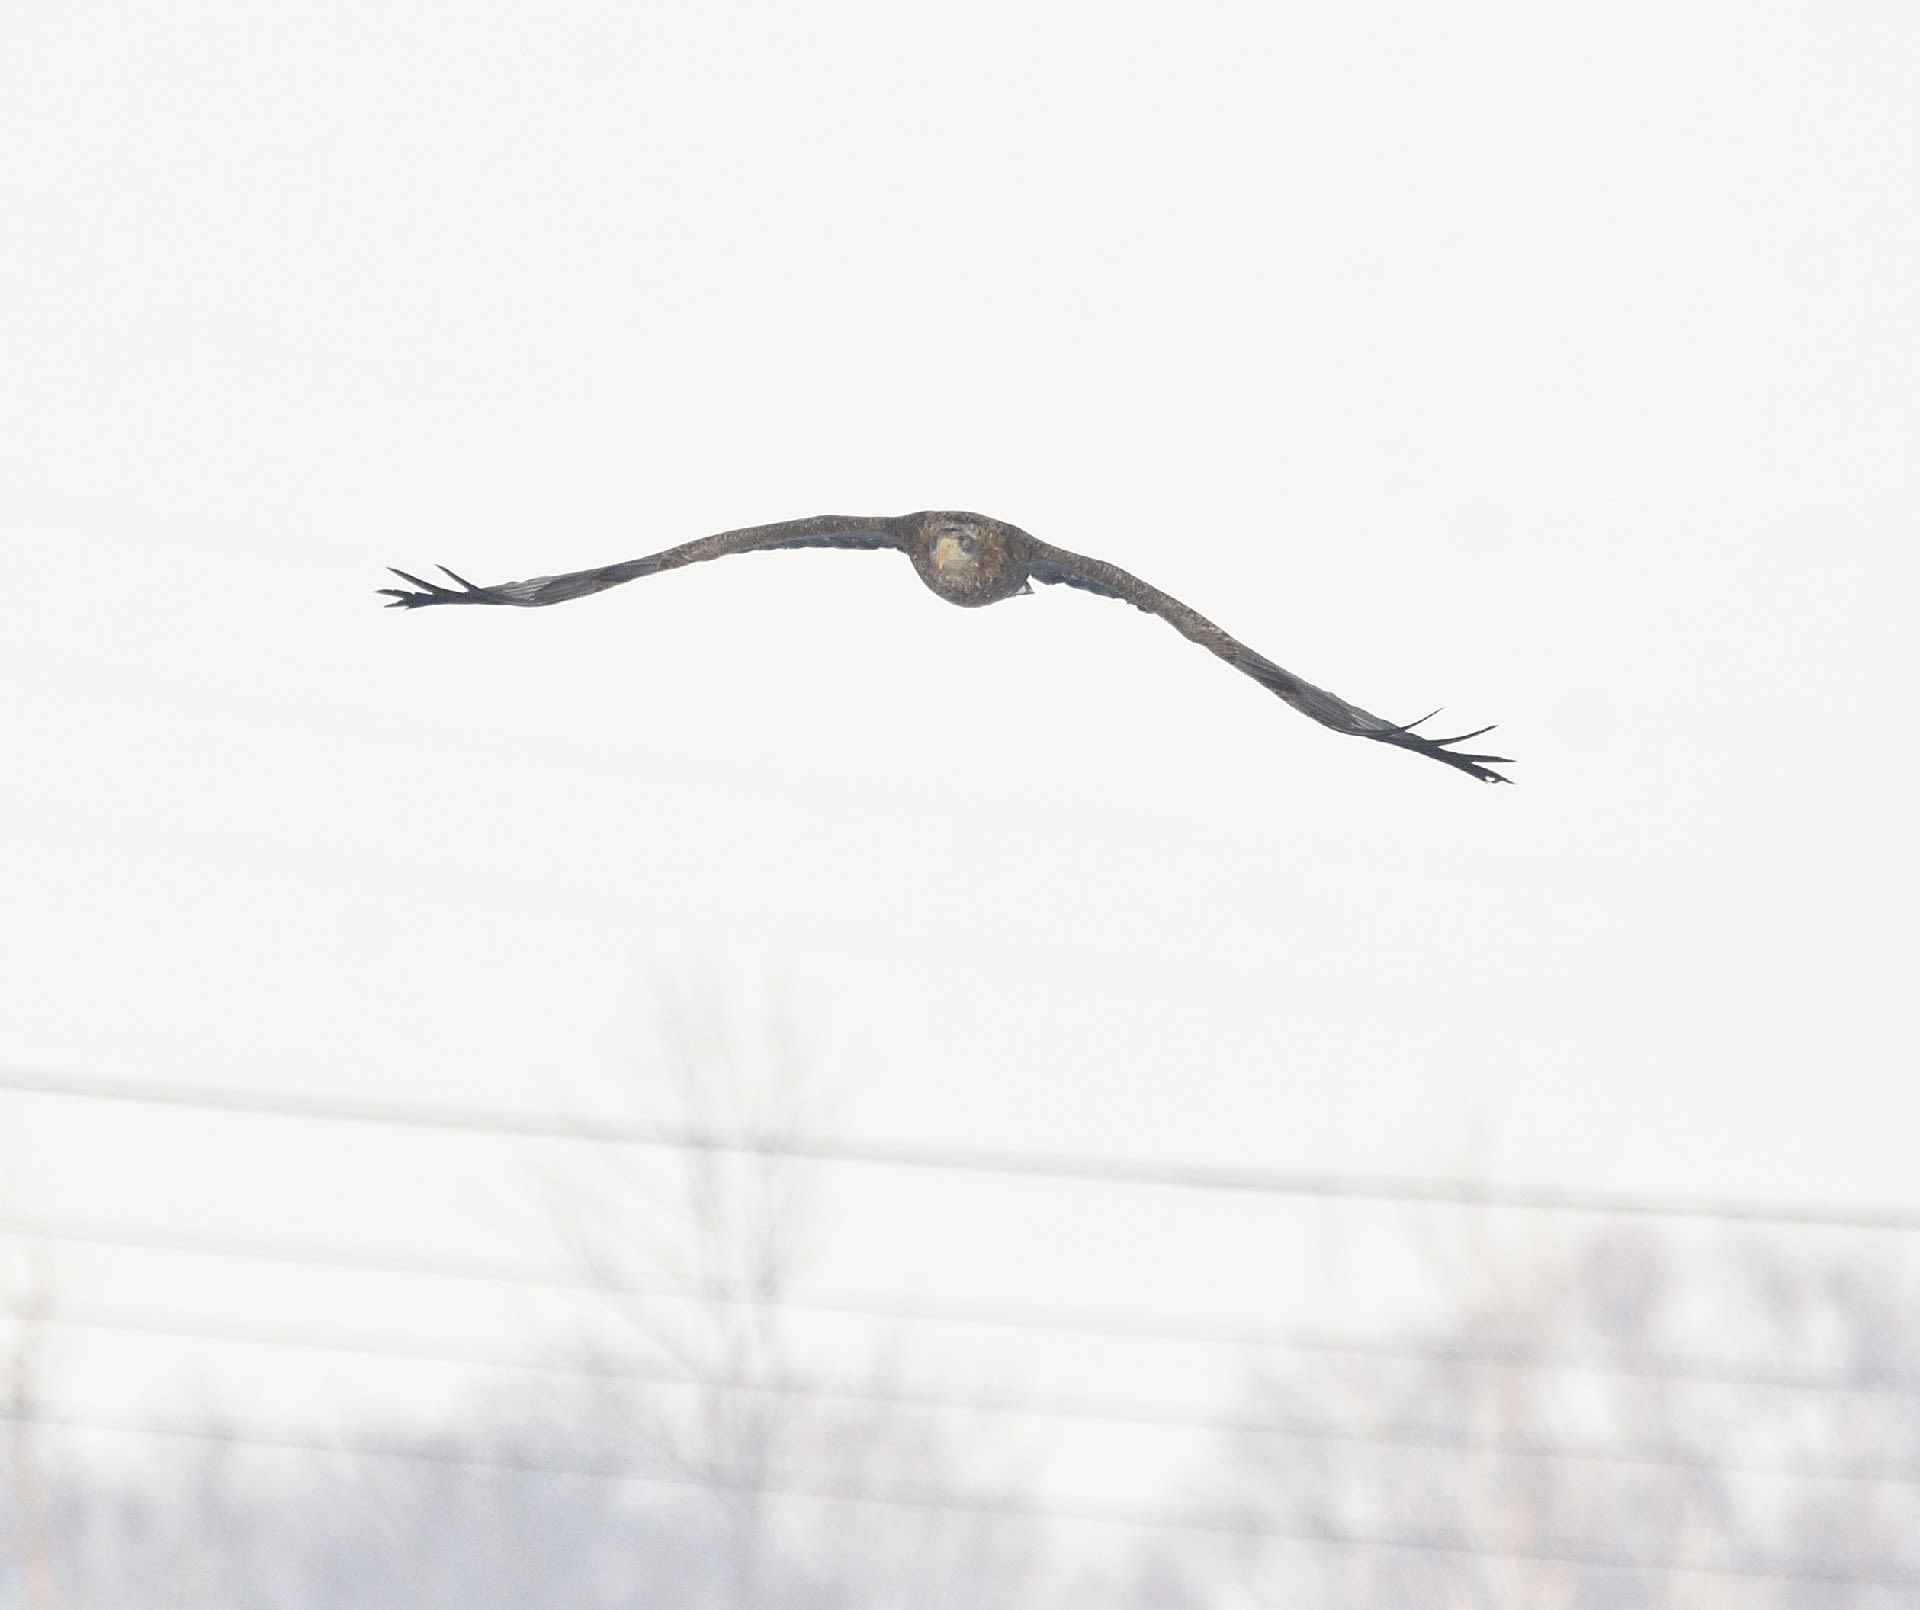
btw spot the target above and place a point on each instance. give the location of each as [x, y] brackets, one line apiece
[1643, 1325]
[719, 1235]
[28, 1294]
[730, 1235]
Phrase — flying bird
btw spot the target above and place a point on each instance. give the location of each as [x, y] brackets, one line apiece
[970, 560]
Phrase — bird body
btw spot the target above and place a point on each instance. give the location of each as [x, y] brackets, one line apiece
[971, 560]
[968, 559]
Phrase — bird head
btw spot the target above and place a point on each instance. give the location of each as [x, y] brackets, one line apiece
[968, 559]
[956, 547]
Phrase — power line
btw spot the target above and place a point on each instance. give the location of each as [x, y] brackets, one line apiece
[953, 1311]
[955, 1159]
[1112, 1411]
[1564, 1551]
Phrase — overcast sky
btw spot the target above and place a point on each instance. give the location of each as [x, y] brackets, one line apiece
[1560, 365]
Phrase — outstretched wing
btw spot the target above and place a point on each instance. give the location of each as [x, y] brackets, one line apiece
[1056, 565]
[818, 531]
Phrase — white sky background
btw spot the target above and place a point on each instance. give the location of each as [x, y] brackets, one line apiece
[1560, 365]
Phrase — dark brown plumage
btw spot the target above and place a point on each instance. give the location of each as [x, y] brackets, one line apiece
[971, 560]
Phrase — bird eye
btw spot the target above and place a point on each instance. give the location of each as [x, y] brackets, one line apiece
[968, 542]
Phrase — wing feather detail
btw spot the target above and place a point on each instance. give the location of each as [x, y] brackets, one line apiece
[817, 531]
[1057, 566]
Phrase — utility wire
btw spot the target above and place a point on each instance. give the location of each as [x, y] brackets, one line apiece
[1563, 1551]
[953, 1311]
[955, 1159]
[1070, 1406]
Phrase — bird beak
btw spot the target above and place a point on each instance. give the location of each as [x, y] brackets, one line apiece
[944, 549]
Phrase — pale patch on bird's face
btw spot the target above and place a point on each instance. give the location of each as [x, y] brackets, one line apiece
[957, 548]
[966, 559]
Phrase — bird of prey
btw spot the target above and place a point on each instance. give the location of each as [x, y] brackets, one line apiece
[970, 559]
